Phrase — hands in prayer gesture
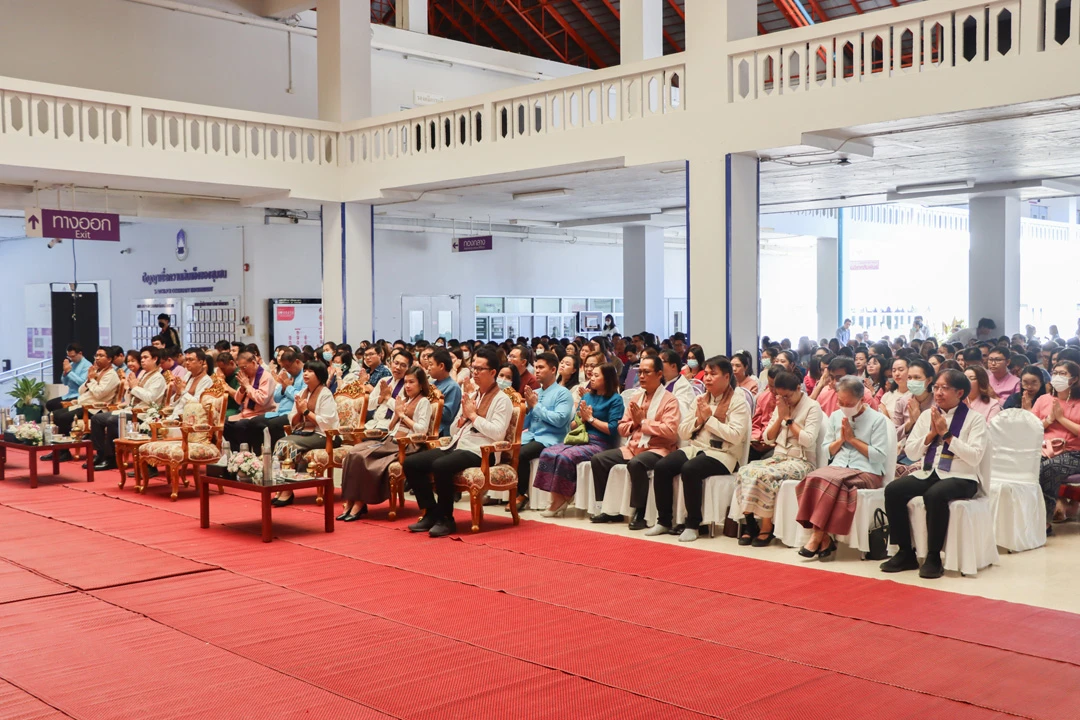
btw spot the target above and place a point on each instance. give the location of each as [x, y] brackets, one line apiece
[1025, 400]
[132, 381]
[914, 411]
[846, 431]
[637, 414]
[702, 410]
[937, 422]
[178, 384]
[302, 405]
[363, 376]
[468, 407]
[530, 397]
[868, 384]
[586, 411]
[384, 391]
[1056, 412]
[245, 381]
[67, 365]
[284, 379]
[399, 405]
[92, 373]
[469, 386]
[783, 410]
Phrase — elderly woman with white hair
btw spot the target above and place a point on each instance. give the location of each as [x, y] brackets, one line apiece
[857, 439]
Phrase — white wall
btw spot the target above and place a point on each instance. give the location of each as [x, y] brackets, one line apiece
[285, 262]
[424, 264]
[125, 47]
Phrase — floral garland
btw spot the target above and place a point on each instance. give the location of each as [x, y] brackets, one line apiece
[246, 463]
[29, 433]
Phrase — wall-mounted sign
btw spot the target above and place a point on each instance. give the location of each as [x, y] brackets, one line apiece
[471, 244]
[181, 246]
[864, 265]
[426, 98]
[72, 225]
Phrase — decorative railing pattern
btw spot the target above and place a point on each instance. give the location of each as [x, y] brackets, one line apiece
[582, 101]
[971, 34]
[45, 116]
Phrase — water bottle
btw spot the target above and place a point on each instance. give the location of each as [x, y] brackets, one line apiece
[46, 433]
[244, 447]
[275, 468]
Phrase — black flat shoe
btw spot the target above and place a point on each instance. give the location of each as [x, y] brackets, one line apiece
[638, 523]
[443, 528]
[760, 542]
[423, 524]
[343, 515]
[278, 502]
[829, 553]
[900, 562]
[105, 465]
[351, 518]
[605, 518]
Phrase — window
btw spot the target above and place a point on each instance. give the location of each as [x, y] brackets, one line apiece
[489, 305]
[573, 305]
[519, 305]
[500, 318]
[546, 305]
[604, 305]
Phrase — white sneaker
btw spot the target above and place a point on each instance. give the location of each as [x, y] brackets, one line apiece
[655, 530]
[688, 535]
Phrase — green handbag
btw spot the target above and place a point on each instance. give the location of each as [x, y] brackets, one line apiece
[578, 436]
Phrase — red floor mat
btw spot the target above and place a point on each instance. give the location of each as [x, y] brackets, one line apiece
[17, 583]
[18, 705]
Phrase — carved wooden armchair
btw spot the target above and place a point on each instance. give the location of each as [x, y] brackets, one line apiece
[396, 471]
[202, 429]
[80, 427]
[352, 401]
[503, 476]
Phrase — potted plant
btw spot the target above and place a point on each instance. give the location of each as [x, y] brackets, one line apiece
[29, 394]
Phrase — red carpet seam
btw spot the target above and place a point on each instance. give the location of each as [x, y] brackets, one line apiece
[584, 612]
[44, 702]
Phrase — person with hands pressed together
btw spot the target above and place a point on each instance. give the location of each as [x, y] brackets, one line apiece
[254, 394]
[314, 415]
[1032, 387]
[858, 443]
[825, 391]
[143, 391]
[1059, 412]
[76, 367]
[387, 391]
[651, 424]
[948, 443]
[483, 419]
[714, 436]
[550, 410]
[99, 388]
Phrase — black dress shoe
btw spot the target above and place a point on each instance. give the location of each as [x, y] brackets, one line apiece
[105, 465]
[342, 516]
[351, 518]
[443, 528]
[931, 568]
[638, 523]
[65, 456]
[605, 518]
[901, 561]
[152, 472]
[423, 524]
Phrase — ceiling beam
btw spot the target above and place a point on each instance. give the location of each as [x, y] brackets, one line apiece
[816, 6]
[858, 8]
[595, 24]
[506, 21]
[678, 10]
[532, 26]
[570, 31]
[285, 8]
[436, 6]
[466, 5]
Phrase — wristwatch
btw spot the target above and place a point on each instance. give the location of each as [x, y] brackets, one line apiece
[787, 423]
[947, 437]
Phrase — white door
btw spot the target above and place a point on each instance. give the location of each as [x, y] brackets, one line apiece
[427, 317]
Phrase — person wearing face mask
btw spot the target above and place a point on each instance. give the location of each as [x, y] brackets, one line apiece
[857, 440]
[909, 399]
[947, 444]
[167, 331]
[694, 369]
[1059, 412]
[768, 359]
[825, 390]
[327, 353]
[508, 378]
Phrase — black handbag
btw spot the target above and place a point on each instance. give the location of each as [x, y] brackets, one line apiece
[879, 537]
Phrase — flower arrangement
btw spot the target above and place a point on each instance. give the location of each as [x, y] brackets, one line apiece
[246, 463]
[29, 433]
[151, 415]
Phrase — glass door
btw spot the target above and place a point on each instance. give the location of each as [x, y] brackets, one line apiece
[427, 317]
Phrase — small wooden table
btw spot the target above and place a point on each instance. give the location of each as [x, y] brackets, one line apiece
[34, 450]
[265, 491]
[130, 446]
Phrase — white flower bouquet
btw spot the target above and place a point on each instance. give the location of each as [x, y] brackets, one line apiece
[151, 415]
[246, 463]
[29, 433]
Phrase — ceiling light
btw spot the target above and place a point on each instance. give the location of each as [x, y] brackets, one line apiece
[672, 171]
[611, 220]
[934, 187]
[534, 223]
[674, 210]
[543, 194]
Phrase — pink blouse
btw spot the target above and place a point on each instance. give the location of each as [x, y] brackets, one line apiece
[987, 409]
[1070, 409]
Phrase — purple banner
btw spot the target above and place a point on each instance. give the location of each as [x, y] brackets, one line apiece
[471, 244]
[74, 225]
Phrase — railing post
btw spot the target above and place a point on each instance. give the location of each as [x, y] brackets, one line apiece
[135, 126]
[1033, 26]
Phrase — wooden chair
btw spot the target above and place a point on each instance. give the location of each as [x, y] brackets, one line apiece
[80, 428]
[396, 470]
[352, 402]
[202, 431]
[503, 476]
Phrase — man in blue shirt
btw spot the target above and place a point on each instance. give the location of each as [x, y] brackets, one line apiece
[75, 368]
[843, 333]
[288, 384]
[374, 369]
[551, 408]
[441, 365]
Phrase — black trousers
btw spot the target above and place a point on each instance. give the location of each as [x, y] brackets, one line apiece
[936, 493]
[529, 451]
[64, 418]
[443, 465]
[250, 431]
[638, 467]
[693, 473]
[57, 403]
[103, 431]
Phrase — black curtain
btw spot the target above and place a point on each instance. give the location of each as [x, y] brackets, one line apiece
[74, 319]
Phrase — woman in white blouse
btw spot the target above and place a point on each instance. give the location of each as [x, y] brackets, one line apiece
[314, 414]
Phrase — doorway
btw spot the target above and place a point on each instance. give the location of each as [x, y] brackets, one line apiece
[427, 317]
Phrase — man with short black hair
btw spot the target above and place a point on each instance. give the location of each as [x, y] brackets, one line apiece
[143, 392]
[222, 346]
[520, 357]
[442, 364]
[676, 383]
[548, 420]
[947, 443]
[225, 366]
[236, 347]
[969, 357]
[168, 333]
[75, 368]
[99, 389]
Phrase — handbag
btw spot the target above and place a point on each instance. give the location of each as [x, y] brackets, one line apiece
[879, 537]
[579, 435]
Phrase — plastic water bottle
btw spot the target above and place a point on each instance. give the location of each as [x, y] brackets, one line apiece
[275, 469]
[47, 433]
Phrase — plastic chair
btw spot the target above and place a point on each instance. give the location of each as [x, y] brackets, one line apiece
[1016, 499]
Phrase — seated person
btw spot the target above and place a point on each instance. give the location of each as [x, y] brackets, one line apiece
[694, 369]
[1059, 412]
[651, 424]
[484, 419]
[1002, 382]
[857, 441]
[365, 471]
[314, 414]
[792, 431]
[969, 357]
[742, 368]
[254, 395]
[981, 399]
[763, 411]
[569, 368]
[862, 356]
[385, 392]
[440, 375]
[116, 354]
[172, 361]
[99, 388]
[714, 437]
[521, 357]
[374, 370]
[598, 413]
[145, 390]
[288, 383]
[508, 378]
[590, 363]
[225, 368]
[877, 375]
[947, 443]
[550, 410]
[676, 384]
[197, 380]
[1017, 363]
[75, 368]
[1032, 387]
[825, 391]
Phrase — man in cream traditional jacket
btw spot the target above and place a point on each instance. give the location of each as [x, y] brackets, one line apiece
[947, 444]
[651, 422]
[98, 389]
[146, 390]
[714, 434]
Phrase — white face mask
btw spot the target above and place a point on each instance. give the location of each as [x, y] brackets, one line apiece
[850, 412]
[1059, 383]
[766, 363]
[503, 383]
[916, 387]
[692, 364]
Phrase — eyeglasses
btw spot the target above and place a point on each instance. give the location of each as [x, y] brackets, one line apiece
[995, 360]
[1063, 373]
[479, 368]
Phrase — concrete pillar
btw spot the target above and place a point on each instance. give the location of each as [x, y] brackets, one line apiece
[412, 15]
[723, 245]
[347, 290]
[344, 60]
[828, 287]
[643, 280]
[641, 30]
[994, 262]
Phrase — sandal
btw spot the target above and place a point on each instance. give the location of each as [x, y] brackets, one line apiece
[759, 541]
[750, 531]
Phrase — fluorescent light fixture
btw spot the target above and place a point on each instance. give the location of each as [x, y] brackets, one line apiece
[534, 223]
[672, 171]
[674, 211]
[934, 187]
[279, 220]
[612, 220]
[543, 194]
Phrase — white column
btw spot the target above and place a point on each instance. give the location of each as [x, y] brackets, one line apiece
[347, 272]
[412, 15]
[344, 60]
[641, 30]
[643, 280]
[994, 262]
[828, 287]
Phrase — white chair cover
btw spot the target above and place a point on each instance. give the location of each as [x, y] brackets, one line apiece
[1016, 499]
[719, 490]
